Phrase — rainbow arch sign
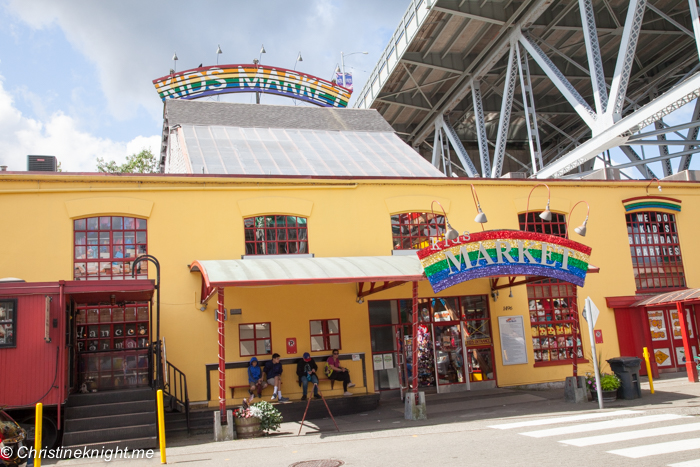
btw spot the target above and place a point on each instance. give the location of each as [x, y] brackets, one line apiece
[504, 253]
[225, 79]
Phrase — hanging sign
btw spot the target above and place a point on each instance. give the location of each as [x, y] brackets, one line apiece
[504, 253]
[225, 79]
[347, 82]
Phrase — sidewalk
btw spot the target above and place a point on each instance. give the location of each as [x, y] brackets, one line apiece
[446, 413]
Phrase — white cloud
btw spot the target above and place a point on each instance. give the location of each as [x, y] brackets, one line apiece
[58, 135]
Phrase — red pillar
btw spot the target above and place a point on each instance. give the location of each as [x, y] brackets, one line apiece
[575, 334]
[222, 355]
[414, 347]
[689, 363]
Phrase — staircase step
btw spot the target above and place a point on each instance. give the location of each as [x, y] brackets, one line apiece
[107, 397]
[150, 442]
[109, 421]
[80, 438]
[117, 408]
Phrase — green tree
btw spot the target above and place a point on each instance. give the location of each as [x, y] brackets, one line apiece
[144, 162]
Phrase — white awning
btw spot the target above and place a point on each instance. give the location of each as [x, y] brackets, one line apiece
[290, 270]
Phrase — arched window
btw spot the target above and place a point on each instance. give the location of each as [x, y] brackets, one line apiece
[656, 250]
[104, 247]
[552, 304]
[414, 230]
[276, 235]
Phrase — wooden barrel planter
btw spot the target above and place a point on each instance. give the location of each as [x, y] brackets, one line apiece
[248, 428]
[608, 396]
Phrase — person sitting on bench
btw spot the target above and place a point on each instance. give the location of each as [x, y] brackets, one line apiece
[306, 371]
[338, 373]
[255, 380]
[273, 370]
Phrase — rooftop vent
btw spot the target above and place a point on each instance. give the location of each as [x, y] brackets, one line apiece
[41, 163]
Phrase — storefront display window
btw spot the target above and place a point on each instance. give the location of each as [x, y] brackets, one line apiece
[656, 251]
[450, 329]
[276, 235]
[104, 248]
[325, 335]
[414, 230]
[255, 339]
[112, 345]
[8, 323]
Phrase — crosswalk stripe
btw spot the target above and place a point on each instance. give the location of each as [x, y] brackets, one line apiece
[660, 448]
[693, 463]
[609, 424]
[573, 418]
[630, 435]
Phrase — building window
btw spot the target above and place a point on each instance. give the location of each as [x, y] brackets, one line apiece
[8, 323]
[656, 250]
[255, 339]
[552, 304]
[105, 247]
[325, 334]
[276, 235]
[414, 230]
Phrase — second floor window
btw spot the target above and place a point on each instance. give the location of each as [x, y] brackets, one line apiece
[104, 247]
[276, 235]
[325, 334]
[656, 250]
[415, 230]
[255, 339]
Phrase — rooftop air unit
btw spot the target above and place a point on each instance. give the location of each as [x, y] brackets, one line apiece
[41, 163]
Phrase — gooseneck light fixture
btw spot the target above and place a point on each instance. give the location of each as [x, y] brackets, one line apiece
[480, 216]
[218, 52]
[175, 59]
[545, 215]
[450, 232]
[652, 181]
[581, 229]
[299, 59]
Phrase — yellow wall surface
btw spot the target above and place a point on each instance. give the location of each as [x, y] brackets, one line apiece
[201, 218]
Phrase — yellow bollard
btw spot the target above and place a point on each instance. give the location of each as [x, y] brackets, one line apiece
[646, 358]
[161, 426]
[37, 433]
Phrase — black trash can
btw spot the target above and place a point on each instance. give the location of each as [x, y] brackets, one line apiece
[627, 369]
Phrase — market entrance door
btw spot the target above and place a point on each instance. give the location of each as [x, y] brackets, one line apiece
[112, 346]
[667, 339]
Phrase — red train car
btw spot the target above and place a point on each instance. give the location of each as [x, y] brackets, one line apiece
[38, 343]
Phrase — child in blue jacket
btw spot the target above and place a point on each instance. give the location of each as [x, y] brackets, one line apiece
[255, 379]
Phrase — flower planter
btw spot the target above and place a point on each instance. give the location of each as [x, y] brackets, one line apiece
[608, 396]
[248, 428]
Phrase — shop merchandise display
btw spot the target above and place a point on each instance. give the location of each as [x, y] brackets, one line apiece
[426, 359]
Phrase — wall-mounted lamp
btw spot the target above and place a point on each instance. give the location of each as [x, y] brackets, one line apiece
[652, 181]
[581, 229]
[480, 216]
[299, 59]
[218, 52]
[494, 295]
[360, 300]
[510, 295]
[450, 232]
[545, 215]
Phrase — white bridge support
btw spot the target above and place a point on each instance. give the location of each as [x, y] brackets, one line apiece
[504, 118]
[533, 133]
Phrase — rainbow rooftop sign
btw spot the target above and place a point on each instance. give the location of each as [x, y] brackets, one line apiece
[496, 253]
[225, 79]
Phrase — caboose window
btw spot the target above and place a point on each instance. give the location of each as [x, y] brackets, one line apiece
[8, 323]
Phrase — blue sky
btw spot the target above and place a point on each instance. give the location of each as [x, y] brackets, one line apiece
[75, 75]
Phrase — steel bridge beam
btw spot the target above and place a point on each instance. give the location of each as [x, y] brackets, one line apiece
[595, 62]
[633, 157]
[684, 163]
[504, 116]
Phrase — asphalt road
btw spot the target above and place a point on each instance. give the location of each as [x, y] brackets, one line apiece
[497, 427]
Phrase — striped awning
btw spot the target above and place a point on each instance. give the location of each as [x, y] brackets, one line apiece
[291, 270]
[670, 297]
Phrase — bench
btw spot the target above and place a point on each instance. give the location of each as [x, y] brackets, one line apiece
[247, 386]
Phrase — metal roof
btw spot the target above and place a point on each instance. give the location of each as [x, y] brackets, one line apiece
[670, 297]
[303, 270]
[286, 151]
[179, 112]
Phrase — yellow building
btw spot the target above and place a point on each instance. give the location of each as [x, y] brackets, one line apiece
[306, 257]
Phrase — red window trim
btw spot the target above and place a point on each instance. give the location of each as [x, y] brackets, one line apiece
[118, 266]
[255, 339]
[13, 322]
[251, 246]
[326, 335]
[658, 258]
[405, 220]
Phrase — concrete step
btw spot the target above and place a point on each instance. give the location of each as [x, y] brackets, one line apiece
[107, 397]
[109, 421]
[116, 408]
[104, 435]
[150, 442]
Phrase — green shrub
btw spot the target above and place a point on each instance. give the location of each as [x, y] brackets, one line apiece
[609, 382]
[271, 417]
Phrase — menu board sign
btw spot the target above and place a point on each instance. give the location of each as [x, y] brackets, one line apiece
[657, 324]
[512, 331]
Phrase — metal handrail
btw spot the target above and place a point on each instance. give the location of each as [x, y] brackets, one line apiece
[176, 387]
